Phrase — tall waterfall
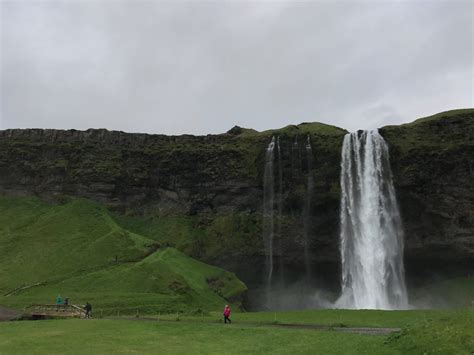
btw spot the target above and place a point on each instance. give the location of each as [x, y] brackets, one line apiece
[371, 228]
[268, 210]
[307, 206]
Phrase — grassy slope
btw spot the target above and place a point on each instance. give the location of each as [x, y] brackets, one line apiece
[39, 242]
[444, 136]
[72, 248]
[316, 128]
[445, 114]
[196, 236]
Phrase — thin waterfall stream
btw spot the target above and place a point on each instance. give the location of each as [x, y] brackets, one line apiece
[280, 212]
[268, 211]
[307, 207]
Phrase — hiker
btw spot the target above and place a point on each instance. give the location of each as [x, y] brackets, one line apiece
[227, 314]
[59, 300]
[88, 309]
[66, 301]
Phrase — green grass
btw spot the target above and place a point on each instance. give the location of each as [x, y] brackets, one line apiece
[423, 332]
[312, 128]
[198, 236]
[109, 336]
[448, 131]
[71, 249]
[445, 114]
[340, 317]
[451, 333]
[39, 242]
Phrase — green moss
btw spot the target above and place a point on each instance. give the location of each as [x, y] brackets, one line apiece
[78, 250]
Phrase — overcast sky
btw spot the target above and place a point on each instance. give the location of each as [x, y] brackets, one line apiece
[202, 66]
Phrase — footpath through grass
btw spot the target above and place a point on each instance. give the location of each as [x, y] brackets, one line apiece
[430, 332]
[121, 336]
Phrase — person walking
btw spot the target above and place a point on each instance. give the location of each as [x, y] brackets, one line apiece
[88, 309]
[227, 314]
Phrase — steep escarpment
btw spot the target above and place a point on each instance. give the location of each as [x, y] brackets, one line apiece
[433, 165]
[204, 195]
[201, 194]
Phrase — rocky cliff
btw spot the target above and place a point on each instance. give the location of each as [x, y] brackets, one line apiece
[215, 183]
[433, 165]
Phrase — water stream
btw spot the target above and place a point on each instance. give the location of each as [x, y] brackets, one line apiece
[371, 231]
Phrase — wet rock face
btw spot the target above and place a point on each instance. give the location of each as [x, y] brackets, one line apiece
[222, 175]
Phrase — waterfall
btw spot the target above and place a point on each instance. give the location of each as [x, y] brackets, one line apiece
[280, 211]
[268, 210]
[307, 207]
[371, 229]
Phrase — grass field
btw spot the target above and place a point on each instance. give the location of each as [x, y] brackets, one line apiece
[423, 332]
[79, 249]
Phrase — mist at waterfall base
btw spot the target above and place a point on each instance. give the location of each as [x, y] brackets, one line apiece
[370, 225]
[371, 234]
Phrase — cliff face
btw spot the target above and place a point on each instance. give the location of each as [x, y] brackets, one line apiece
[433, 165]
[216, 183]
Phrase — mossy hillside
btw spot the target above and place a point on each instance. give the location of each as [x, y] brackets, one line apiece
[207, 237]
[39, 241]
[441, 132]
[76, 249]
[166, 281]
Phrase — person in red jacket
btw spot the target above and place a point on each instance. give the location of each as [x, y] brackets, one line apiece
[227, 314]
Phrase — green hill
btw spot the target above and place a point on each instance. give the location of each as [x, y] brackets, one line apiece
[76, 249]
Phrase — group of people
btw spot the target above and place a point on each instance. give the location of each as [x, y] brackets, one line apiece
[61, 302]
[87, 307]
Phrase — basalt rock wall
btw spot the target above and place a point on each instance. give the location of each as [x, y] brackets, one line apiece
[207, 178]
[433, 166]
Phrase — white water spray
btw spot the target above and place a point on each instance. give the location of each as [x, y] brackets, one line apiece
[371, 228]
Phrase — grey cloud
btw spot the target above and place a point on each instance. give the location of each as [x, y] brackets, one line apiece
[202, 67]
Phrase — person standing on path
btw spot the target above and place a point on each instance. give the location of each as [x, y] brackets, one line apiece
[88, 309]
[227, 314]
[59, 300]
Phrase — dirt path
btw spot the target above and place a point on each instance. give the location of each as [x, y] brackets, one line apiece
[316, 327]
[358, 330]
[8, 314]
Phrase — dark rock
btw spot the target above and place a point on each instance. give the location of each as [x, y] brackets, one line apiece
[221, 176]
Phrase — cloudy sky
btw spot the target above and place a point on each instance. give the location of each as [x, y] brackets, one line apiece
[204, 66]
